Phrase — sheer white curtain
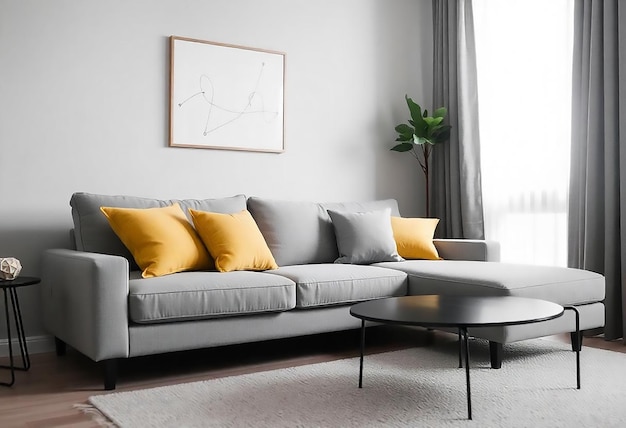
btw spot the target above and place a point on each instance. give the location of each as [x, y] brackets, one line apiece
[524, 64]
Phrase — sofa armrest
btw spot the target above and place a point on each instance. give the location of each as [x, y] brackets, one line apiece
[85, 301]
[468, 249]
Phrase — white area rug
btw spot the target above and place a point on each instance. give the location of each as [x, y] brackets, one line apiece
[419, 387]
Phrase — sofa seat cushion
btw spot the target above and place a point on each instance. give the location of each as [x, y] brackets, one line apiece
[197, 295]
[564, 286]
[335, 284]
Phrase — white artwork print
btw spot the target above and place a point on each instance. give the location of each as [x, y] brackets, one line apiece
[226, 97]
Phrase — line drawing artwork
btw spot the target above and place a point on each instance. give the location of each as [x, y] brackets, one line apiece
[226, 97]
[207, 93]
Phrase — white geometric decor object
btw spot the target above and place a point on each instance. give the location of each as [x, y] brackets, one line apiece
[10, 268]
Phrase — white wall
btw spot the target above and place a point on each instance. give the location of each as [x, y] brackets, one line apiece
[84, 107]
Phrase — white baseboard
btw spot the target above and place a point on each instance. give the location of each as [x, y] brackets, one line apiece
[35, 345]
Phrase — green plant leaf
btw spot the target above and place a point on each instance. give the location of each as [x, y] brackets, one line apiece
[440, 112]
[402, 147]
[433, 121]
[442, 134]
[420, 140]
[405, 132]
[403, 128]
[414, 108]
[416, 116]
[404, 137]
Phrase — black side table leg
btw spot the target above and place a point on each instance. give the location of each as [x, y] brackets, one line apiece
[578, 348]
[460, 349]
[11, 365]
[21, 335]
[467, 372]
[362, 352]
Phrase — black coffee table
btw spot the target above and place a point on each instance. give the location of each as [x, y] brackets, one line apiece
[460, 312]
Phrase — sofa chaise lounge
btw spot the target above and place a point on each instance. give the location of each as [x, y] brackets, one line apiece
[96, 300]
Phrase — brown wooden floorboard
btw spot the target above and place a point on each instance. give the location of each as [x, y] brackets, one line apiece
[44, 396]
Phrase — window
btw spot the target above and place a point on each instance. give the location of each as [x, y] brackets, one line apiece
[524, 62]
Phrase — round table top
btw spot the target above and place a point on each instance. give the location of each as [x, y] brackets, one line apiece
[457, 311]
[20, 281]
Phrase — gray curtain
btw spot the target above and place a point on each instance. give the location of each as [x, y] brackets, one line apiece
[456, 196]
[597, 205]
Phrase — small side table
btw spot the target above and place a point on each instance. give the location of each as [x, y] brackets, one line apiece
[9, 287]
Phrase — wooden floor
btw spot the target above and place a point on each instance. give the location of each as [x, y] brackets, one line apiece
[44, 396]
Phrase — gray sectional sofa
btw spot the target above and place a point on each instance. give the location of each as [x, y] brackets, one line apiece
[96, 301]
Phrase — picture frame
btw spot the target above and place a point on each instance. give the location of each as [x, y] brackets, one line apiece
[226, 97]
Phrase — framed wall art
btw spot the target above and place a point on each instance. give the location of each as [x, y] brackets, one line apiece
[226, 96]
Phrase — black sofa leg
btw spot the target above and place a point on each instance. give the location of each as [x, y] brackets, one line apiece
[495, 354]
[577, 341]
[59, 346]
[110, 374]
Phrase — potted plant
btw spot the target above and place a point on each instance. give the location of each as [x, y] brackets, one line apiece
[420, 135]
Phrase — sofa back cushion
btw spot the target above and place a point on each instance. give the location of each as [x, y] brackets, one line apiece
[93, 233]
[300, 232]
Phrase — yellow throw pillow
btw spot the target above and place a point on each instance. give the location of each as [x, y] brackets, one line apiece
[161, 240]
[233, 240]
[414, 237]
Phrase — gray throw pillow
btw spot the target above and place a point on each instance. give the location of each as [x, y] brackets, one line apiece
[364, 237]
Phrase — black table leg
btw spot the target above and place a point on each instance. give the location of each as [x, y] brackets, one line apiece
[362, 352]
[578, 348]
[21, 335]
[467, 371]
[8, 321]
[460, 349]
[19, 325]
